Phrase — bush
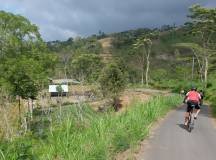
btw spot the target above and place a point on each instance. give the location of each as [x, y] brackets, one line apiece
[87, 67]
[112, 81]
[19, 149]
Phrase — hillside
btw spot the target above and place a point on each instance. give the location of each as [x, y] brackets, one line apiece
[119, 46]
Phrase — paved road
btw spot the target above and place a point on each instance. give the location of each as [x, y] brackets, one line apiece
[171, 141]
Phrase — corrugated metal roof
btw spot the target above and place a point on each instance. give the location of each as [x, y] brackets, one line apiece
[65, 81]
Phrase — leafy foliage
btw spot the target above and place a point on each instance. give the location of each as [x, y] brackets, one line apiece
[25, 76]
[77, 45]
[25, 62]
[112, 81]
[203, 23]
[18, 36]
[86, 67]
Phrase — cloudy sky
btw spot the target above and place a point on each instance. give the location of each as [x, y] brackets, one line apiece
[61, 19]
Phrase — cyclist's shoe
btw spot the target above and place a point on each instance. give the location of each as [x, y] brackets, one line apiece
[195, 117]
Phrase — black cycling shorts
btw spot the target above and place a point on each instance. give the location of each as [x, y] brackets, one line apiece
[190, 105]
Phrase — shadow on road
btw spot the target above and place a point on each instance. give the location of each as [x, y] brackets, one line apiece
[182, 126]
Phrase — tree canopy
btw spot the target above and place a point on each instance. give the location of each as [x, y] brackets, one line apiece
[86, 67]
[25, 61]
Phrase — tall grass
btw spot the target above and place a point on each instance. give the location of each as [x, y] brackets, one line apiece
[210, 93]
[98, 136]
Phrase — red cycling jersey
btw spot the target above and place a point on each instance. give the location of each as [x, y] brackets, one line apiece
[193, 96]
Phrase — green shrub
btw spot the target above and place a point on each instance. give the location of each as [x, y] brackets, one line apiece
[19, 149]
[112, 81]
[86, 67]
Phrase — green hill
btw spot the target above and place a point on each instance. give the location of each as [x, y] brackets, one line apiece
[164, 59]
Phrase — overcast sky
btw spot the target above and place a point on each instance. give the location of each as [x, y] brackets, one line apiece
[61, 19]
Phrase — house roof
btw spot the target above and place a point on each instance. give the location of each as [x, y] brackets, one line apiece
[64, 81]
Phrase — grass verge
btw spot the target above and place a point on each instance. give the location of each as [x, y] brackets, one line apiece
[213, 105]
[83, 134]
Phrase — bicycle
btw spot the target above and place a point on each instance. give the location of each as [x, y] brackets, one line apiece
[191, 123]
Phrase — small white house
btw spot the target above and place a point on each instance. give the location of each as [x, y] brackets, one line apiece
[54, 91]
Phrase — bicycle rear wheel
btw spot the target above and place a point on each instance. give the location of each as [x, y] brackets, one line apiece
[190, 125]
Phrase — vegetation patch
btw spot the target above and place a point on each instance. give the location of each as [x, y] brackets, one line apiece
[84, 134]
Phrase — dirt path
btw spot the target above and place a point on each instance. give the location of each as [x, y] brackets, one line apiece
[106, 45]
[131, 95]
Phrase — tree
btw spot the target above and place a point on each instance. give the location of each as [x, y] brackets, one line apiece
[197, 54]
[203, 25]
[25, 76]
[145, 42]
[18, 36]
[5, 126]
[86, 67]
[24, 58]
[112, 82]
[60, 90]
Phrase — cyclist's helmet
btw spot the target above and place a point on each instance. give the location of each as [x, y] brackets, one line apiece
[193, 88]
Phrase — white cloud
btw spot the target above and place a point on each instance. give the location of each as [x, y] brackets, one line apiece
[53, 32]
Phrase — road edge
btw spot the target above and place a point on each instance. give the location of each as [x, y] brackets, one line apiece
[135, 153]
[211, 115]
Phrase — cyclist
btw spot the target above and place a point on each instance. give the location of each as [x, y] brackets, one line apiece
[192, 98]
